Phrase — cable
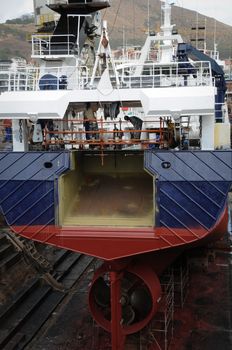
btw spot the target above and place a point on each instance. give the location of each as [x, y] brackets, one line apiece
[133, 22]
[116, 16]
[104, 14]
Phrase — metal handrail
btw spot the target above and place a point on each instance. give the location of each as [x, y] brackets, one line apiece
[100, 136]
[153, 76]
[44, 45]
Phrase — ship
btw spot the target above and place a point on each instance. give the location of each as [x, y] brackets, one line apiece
[103, 161]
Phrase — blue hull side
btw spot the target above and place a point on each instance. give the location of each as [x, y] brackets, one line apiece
[191, 204]
[191, 187]
[29, 186]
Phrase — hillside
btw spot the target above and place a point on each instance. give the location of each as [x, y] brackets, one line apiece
[130, 15]
[13, 40]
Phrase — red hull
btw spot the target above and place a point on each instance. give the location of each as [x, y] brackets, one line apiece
[111, 243]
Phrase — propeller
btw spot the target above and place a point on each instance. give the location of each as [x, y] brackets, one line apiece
[137, 294]
[101, 292]
[136, 299]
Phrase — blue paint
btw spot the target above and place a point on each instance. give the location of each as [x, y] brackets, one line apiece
[189, 205]
[27, 187]
[189, 194]
[192, 191]
[29, 202]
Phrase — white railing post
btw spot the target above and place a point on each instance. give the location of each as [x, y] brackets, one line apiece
[26, 82]
[32, 46]
[9, 80]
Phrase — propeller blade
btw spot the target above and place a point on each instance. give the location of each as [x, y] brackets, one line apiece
[128, 315]
[101, 292]
[141, 302]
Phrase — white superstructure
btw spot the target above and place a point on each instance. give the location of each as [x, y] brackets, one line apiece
[65, 80]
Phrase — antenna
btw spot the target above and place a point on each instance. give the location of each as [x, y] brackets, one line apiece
[148, 17]
[123, 41]
[214, 32]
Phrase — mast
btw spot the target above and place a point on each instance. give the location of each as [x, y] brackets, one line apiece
[164, 38]
[166, 31]
[166, 26]
[148, 17]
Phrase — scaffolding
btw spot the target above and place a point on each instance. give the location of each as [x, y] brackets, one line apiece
[181, 281]
[160, 330]
[174, 283]
[102, 134]
[159, 333]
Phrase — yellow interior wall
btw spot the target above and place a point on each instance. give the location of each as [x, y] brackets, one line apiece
[114, 164]
[87, 188]
[69, 185]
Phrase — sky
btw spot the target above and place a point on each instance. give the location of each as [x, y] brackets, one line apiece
[219, 9]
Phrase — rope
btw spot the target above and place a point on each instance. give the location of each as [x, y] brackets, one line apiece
[116, 16]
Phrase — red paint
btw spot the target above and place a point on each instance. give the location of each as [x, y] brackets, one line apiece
[146, 275]
[117, 335]
[123, 244]
[116, 243]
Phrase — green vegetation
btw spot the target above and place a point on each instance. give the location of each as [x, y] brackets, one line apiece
[14, 33]
[25, 19]
[5, 31]
[7, 53]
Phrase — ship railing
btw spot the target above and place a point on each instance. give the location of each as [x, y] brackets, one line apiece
[102, 134]
[17, 80]
[128, 56]
[15, 65]
[52, 78]
[197, 73]
[45, 45]
[221, 112]
[134, 55]
[56, 2]
[214, 54]
[76, 78]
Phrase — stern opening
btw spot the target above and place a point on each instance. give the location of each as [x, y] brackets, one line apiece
[118, 193]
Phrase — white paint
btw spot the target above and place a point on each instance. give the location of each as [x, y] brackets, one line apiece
[160, 101]
[41, 104]
[207, 132]
[178, 100]
[20, 136]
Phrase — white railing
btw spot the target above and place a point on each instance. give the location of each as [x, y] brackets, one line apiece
[177, 74]
[20, 80]
[134, 55]
[56, 2]
[53, 45]
[75, 78]
[221, 112]
[52, 78]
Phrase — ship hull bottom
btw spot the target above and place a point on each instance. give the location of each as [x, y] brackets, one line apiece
[112, 244]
